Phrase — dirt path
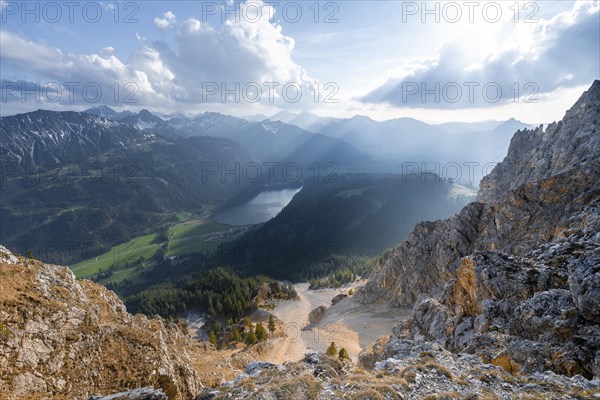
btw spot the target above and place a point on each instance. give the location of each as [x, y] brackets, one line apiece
[294, 315]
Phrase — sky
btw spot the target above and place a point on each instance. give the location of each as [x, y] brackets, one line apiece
[434, 61]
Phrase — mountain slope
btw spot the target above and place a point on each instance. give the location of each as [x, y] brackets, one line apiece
[353, 214]
[47, 138]
[109, 182]
[273, 141]
[401, 135]
[522, 262]
[532, 204]
[63, 338]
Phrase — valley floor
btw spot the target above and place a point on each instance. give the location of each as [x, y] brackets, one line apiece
[347, 323]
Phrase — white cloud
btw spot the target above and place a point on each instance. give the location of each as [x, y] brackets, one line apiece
[45, 64]
[559, 52]
[192, 25]
[240, 52]
[166, 22]
[27, 52]
[259, 44]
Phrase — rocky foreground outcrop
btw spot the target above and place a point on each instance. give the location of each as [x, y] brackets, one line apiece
[515, 277]
[424, 372]
[64, 338]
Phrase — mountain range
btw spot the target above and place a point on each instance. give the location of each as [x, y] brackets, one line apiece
[53, 162]
[504, 302]
[362, 143]
[267, 141]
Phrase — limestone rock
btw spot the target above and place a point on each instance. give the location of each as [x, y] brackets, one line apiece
[60, 337]
[146, 393]
[545, 188]
[584, 283]
[338, 298]
[6, 257]
[317, 314]
[407, 371]
[535, 155]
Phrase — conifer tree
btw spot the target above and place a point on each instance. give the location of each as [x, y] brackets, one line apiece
[212, 338]
[272, 325]
[332, 350]
[343, 354]
[236, 334]
[251, 338]
[261, 333]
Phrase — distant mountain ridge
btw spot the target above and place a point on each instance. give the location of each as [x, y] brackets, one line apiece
[107, 112]
[208, 123]
[407, 140]
[267, 141]
[400, 140]
[483, 126]
[44, 137]
[146, 121]
[308, 121]
[305, 120]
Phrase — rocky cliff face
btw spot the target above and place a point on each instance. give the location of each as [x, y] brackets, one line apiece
[514, 277]
[63, 338]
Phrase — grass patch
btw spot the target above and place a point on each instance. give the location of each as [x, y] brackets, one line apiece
[128, 252]
[184, 238]
[199, 236]
[304, 387]
[408, 374]
[438, 368]
[5, 333]
[443, 396]
[195, 235]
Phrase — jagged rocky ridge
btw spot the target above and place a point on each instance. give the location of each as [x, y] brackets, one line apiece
[515, 277]
[63, 338]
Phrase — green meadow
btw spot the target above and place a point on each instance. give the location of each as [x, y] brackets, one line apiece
[192, 236]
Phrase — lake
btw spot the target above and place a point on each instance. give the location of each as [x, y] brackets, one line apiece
[260, 208]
